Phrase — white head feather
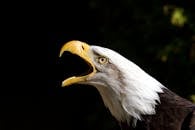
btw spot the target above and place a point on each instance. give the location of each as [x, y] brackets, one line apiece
[135, 95]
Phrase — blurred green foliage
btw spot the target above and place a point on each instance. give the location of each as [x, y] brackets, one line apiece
[193, 98]
[178, 18]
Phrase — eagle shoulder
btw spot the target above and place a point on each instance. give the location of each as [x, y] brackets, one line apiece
[192, 122]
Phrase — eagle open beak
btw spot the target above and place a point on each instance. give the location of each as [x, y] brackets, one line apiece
[82, 50]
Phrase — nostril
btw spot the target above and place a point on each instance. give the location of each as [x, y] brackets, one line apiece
[83, 47]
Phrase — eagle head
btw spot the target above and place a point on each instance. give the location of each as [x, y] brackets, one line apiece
[127, 91]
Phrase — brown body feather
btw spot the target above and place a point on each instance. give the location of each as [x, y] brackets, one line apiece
[173, 113]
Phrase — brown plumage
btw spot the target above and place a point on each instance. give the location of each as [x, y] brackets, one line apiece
[173, 113]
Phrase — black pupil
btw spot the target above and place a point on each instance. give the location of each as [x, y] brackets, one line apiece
[102, 60]
[73, 65]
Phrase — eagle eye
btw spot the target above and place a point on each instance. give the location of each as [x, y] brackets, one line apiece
[102, 60]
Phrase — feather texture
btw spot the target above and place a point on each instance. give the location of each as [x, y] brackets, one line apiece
[133, 94]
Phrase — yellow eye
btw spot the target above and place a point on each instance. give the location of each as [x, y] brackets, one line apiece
[102, 60]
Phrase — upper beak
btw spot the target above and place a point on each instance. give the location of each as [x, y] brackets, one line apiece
[82, 50]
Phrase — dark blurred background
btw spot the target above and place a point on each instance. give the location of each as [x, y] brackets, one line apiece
[159, 36]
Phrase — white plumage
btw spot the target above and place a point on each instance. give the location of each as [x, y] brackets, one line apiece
[130, 99]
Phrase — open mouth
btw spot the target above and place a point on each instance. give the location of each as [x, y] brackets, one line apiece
[77, 62]
[74, 66]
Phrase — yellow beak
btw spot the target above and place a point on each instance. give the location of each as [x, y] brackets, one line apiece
[82, 50]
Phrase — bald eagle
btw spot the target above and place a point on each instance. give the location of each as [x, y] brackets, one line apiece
[134, 98]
